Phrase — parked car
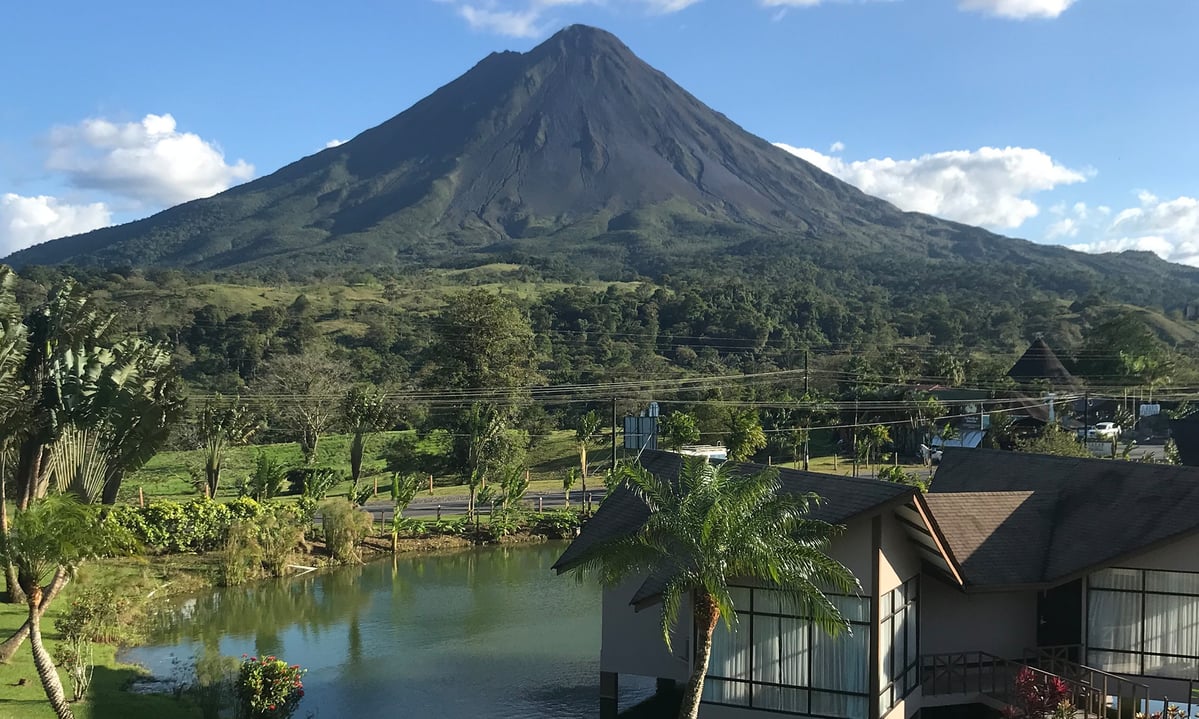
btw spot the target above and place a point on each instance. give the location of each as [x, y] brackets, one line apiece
[1102, 430]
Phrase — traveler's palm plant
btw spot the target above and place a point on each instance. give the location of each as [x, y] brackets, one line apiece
[714, 527]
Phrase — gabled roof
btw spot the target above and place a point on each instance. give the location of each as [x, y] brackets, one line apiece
[1040, 363]
[623, 513]
[1014, 518]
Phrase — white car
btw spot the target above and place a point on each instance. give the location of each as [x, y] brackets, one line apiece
[1105, 430]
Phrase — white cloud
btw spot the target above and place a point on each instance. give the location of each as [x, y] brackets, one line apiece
[1018, 9]
[26, 221]
[334, 143]
[149, 162]
[532, 18]
[836, 147]
[988, 186]
[512, 23]
[1169, 228]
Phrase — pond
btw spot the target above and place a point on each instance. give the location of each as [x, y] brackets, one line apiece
[490, 632]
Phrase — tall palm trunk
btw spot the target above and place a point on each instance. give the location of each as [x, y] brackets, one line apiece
[583, 459]
[15, 594]
[357, 447]
[46, 671]
[9, 647]
[707, 614]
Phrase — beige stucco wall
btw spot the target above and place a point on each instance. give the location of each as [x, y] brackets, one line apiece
[632, 641]
[1001, 623]
[1180, 556]
[852, 548]
[898, 560]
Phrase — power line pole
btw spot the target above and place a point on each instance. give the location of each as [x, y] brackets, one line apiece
[614, 436]
[807, 430]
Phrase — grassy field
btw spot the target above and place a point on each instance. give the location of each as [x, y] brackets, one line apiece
[169, 475]
[107, 698]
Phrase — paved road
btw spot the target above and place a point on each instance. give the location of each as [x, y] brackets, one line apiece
[427, 507]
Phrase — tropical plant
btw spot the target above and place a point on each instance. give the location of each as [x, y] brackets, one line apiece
[585, 429]
[267, 480]
[1054, 440]
[46, 542]
[568, 483]
[222, 425]
[714, 526]
[364, 411]
[268, 688]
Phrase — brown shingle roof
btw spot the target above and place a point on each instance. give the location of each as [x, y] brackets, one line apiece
[1018, 518]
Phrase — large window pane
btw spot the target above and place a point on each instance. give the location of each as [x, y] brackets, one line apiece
[1115, 662]
[1116, 579]
[840, 662]
[782, 699]
[730, 651]
[793, 663]
[725, 692]
[766, 649]
[1171, 624]
[1114, 620]
[1176, 582]
[854, 609]
[838, 705]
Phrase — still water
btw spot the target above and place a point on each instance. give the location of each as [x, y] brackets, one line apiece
[490, 632]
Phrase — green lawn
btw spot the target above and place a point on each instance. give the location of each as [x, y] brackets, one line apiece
[106, 698]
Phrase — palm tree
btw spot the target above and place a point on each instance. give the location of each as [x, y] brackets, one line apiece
[13, 346]
[715, 526]
[876, 437]
[586, 428]
[223, 425]
[48, 539]
[364, 412]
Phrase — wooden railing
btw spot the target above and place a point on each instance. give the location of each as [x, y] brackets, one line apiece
[979, 674]
[1124, 697]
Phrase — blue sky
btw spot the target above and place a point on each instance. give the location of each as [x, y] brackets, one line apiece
[1065, 121]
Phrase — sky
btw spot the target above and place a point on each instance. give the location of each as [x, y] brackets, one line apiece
[1060, 121]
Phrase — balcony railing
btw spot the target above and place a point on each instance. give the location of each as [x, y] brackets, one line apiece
[979, 676]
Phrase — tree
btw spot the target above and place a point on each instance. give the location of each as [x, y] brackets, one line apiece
[1054, 440]
[46, 541]
[13, 348]
[364, 412]
[307, 390]
[588, 425]
[875, 438]
[714, 526]
[677, 429]
[745, 436]
[223, 425]
[568, 483]
[1124, 351]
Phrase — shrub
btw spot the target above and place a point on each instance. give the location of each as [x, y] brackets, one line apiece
[345, 526]
[559, 524]
[455, 526]
[257, 547]
[199, 525]
[268, 688]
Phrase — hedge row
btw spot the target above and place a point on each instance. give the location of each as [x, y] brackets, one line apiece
[200, 525]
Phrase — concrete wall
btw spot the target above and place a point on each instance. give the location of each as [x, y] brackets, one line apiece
[898, 561]
[852, 548]
[632, 641]
[1001, 623]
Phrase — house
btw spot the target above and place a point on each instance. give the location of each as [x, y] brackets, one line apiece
[1083, 569]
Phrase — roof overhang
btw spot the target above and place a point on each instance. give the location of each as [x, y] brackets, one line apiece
[926, 537]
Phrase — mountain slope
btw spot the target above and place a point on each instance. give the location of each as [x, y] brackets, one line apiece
[575, 155]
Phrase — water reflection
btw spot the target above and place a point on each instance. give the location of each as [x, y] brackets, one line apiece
[484, 633]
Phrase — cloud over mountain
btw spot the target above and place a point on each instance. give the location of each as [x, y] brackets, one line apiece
[26, 221]
[989, 186]
[149, 162]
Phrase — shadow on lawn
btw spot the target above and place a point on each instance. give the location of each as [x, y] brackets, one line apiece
[108, 698]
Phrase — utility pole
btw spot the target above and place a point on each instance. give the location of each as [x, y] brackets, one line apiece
[807, 426]
[613, 436]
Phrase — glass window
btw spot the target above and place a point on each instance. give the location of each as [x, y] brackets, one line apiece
[899, 653]
[777, 657]
[1144, 622]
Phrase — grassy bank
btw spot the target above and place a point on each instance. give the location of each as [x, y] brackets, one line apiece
[107, 698]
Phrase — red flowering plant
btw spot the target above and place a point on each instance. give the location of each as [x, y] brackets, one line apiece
[1038, 696]
[268, 688]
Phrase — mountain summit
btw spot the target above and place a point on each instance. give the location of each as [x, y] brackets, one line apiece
[575, 154]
